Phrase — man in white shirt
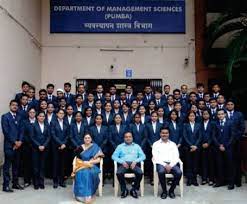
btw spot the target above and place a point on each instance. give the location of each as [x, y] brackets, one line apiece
[166, 157]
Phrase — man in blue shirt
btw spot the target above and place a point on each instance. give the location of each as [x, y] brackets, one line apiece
[128, 155]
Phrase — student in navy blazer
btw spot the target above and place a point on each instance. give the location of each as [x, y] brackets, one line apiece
[158, 100]
[12, 142]
[77, 131]
[207, 154]
[24, 87]
[138, 131]
[40, 138]
[126, 115]
[170, 105]
[32, 102]
[69, 118]
[108, 114]
[181, 114]
[117, 131]
[175, 128]
[79, 105]
[25, 131]
[192, 139]
[60, 131]
[144, 117]
[50, 114]
[153, 135]
[69, 97]
[223, 140]
[239, 126]
[89, 118]
[23, 107]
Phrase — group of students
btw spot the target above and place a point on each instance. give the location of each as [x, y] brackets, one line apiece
[205, 127]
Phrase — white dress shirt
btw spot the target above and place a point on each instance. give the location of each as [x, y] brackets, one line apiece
[78, 126]
[118, 127]
[205, 124]
[42, 127]
[69, 118]
[174, 125]
[49, 117]
[107, 114]
[88, 120]
[154, 126]
[60, 123]
[143, 119]
[192, 125]
[165, 152]
[98, 128]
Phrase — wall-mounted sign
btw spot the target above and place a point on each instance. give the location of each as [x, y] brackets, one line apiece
[117, 16]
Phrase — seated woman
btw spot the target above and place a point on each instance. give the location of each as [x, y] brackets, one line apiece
[85, 170]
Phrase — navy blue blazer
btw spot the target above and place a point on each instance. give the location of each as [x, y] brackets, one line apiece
[23, 113]
[11, 131]
[34, 104]
[38, 138]
[167, 111]
[207, 135]
[70, 99]
[110, 119]
[53, 118]
[139, 137]
[162, 103]
[238, 123]
[151, 135]
[192, 138]
[67, 120]
[102, 99]
[86, 104]
[128, 120]
[76, 137]
[115, 137]
[90, 123]
[60, 136]
[26, 130]
[82, 108]
[223, 135]
[100, 138]
[54, 101]
[146, 119]
[129, 101]
[146, 101]
[176, 135]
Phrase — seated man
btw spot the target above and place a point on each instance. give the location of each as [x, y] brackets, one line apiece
[166, 157]
[128, 155]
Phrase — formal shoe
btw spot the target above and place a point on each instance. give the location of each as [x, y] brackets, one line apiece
[17, 186]
[55, 185]
[62, 185]
[172, 195]
[36, 187]
[7, 190]
[133, 193]
[195, 183]
[163, 195]
[211, 183]
[151, 182]
[42, 186]
[217, 185]
[124, 194]
[203, 182]
[188, 183]
[26, 185]
[238, 184]
[230, 187]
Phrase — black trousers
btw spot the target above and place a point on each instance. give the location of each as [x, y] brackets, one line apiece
[27, 163]
[237, 162]
[138, 176]
[148, 164]
[175, 171]
[191, 159]
[208, 160]
[60, 158]
[38, 160]
[11, 159]
[225, 166]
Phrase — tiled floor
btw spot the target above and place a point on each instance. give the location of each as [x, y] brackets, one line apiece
[192, 195]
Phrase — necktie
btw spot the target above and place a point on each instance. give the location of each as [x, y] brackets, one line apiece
[158, 102]
[231, 114]
[221, 123]
[14, 116]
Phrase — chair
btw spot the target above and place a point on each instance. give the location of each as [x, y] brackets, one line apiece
[100, 186]
[156, 180]
[127, 175]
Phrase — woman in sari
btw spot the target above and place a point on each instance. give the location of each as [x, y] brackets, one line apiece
[86, 171]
